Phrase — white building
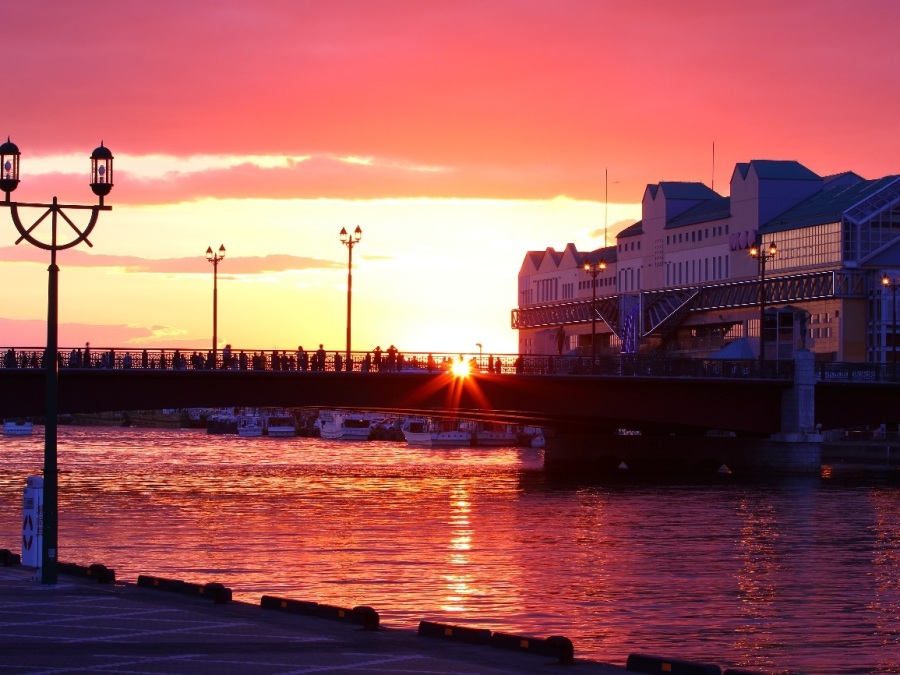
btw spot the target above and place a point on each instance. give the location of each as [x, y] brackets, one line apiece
[681, 281]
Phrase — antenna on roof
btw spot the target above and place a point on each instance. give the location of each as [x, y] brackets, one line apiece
[712, 182]
[605, 201]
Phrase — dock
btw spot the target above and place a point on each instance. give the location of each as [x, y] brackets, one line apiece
[83, 625]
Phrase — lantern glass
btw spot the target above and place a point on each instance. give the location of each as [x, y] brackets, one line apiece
[9, 166]
[101, 171]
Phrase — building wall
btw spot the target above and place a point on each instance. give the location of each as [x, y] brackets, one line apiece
[671, 249]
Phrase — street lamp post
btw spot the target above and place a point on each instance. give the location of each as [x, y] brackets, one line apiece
[101, 184]
[594, 270]
[350, 241]
[887, 283]
[215, 258]
[762, 255]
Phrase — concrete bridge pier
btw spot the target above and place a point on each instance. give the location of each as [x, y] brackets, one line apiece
[577, 453]
[795, 450]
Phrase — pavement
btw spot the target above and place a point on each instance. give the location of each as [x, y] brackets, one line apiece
[81, 625]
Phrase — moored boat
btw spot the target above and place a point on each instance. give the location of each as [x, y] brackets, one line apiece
[281, 426]
[17, 427]
[493, 434]
[250, 426]
[436, 433]
[347, 426]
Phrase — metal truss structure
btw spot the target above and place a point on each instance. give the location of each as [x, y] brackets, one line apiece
[658, 312]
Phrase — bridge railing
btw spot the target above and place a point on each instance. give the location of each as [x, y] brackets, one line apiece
[857, 372]
[416, 362]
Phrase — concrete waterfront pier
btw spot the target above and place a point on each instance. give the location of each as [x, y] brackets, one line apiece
[78, 624]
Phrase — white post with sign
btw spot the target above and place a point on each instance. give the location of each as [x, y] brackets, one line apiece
[33, 521]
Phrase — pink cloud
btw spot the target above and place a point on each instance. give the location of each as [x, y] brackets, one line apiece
[236, 265]
[31, 334]
[515, 99]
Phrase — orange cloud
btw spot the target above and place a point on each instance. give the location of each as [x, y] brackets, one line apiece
[192, 265]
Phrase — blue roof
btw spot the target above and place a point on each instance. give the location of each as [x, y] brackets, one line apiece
[632, 230]
[777, 169]
[607, 254]
[684, 190]
[826, 206]
[704, 212]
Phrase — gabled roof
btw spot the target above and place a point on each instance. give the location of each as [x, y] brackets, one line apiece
[632, 230]
[551, 255]
[704, 212]
[532, 262]
[777, 169]
[826, 206]
[607, 254]
[684, 190]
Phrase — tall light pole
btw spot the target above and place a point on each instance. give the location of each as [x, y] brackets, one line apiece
[594, 270]
[350, 241]
[215, 258]
[887, 283]
[762, 254]
[101, 184]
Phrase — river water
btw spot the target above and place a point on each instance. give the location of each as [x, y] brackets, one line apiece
[800, 576]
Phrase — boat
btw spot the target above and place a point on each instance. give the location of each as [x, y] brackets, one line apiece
[494, 434]
[281, 426]
[18, 427]
[436, 433]
[329, 425]
[356, 427]
[347, 426]
[250, 426]
[222, 423]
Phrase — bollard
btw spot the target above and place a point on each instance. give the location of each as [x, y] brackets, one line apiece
[555, 645]
[360, 615]
[217, 592]
[8, 558]
[292, 606]
[472, 636]
[643, 663]
[101, 573]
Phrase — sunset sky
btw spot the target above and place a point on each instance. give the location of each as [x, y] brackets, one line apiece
[458, 135]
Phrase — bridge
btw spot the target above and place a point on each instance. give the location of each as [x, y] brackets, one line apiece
[655, 396]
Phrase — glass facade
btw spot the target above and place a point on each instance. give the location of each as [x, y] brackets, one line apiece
[806, 247]
[872, 232]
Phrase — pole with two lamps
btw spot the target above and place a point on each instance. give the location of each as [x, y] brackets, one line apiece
[350, 240]
[215, 258]
[594, 269]
[762, 255]
[893, 285]
[101, 184]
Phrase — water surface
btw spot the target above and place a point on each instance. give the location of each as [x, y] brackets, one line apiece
[792, 577]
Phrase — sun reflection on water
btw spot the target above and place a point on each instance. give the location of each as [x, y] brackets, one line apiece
[799, 577]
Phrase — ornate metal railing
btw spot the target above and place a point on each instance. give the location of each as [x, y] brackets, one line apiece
[425, 362]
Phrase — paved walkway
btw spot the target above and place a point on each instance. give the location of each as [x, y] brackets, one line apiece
[79, 625]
